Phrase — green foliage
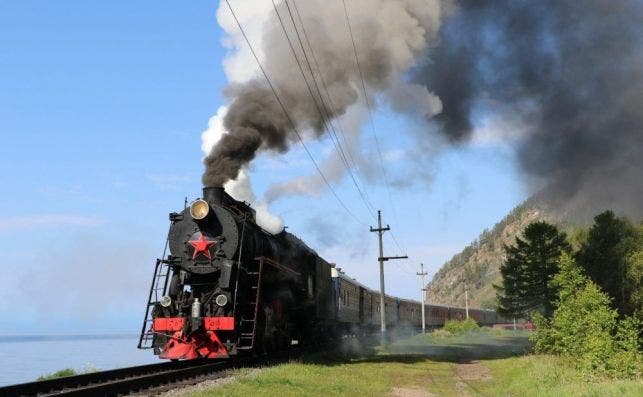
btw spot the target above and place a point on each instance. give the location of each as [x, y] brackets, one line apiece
[585, 329]
[576, 235]
[424, 366]
[529, 269]
[58, 374]
[460, 326]
[634, 280]
[611, 256]
[68, 372]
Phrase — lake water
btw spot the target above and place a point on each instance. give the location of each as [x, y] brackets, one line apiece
[25, 358]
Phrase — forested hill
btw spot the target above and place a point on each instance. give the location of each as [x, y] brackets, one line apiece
[478, 264]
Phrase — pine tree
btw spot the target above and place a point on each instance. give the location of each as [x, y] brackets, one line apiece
[611, 258]
[527, 273]
[511, 295]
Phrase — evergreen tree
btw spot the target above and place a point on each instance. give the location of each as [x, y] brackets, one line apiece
[511, 295]
[528, 271]
[611, 257]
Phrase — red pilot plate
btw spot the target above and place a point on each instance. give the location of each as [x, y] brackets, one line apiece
[168, 323]
[219, 323]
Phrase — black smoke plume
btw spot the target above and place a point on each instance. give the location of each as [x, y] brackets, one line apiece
[389, 37]
[254, 118]
[572, 70]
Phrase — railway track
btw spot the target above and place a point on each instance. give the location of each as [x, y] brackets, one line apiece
[146, 379]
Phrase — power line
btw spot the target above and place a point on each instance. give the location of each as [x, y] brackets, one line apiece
[330, 100]
[370, 115]
[283, 108]
[338, 145]
[321, 109]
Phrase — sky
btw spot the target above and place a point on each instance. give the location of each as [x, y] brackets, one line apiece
[102, 110]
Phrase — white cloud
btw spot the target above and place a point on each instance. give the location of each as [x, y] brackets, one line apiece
[46, 220]
[241, 189]
[215, 130]
[239, 64]
[394, 155]
[504, 127]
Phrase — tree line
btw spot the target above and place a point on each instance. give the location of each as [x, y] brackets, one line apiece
[610, 254]
[584, 292]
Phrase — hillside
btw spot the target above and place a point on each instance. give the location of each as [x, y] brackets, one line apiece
[478, 264]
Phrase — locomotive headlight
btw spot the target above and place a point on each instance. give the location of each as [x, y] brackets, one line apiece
[166, 301]
[199, 209]
[221, 300]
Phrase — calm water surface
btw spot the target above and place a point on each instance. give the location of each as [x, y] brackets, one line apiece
[25, 358]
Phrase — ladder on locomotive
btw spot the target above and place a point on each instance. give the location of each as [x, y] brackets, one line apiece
[158, 289]
[250, 305]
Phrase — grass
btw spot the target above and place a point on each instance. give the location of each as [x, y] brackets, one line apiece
[485, 363]
[545, 376]
[66, 372]
[58, 374]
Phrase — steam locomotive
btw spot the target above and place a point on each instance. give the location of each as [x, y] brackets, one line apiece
[228, 287]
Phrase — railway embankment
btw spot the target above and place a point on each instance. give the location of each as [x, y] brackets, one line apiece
[479, 363]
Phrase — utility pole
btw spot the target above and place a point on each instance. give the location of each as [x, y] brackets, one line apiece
[380, 231]
[422, 273]
[466, 299]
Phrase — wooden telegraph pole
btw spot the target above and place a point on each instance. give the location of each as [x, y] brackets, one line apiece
[380, 231]
[422, 273]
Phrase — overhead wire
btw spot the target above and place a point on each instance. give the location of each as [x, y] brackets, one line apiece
[321, 109]
[324, 85]
[343, 155]
[370, 115]
[332, 106]
[290, 120]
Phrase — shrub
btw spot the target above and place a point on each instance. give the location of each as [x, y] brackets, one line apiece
[585, 329]
[460, 326]
[58, 374]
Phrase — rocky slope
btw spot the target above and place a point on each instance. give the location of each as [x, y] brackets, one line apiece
[479, 263]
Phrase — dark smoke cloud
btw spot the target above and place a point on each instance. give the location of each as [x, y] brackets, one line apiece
[253, 119]
[573, 70]
[389, 37]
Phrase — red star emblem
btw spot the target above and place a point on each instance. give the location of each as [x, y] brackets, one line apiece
[201, 245]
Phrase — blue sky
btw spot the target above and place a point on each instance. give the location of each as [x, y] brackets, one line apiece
[102, 106]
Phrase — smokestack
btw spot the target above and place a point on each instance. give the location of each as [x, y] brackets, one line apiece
[213, 194]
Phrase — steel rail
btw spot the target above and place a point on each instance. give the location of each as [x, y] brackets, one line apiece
[146, 379]
[117, 381]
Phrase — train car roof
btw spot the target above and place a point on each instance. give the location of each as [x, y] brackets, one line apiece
[457, 307]
[345, 277]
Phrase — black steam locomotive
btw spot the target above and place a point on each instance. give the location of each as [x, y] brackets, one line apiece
[227, 287]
